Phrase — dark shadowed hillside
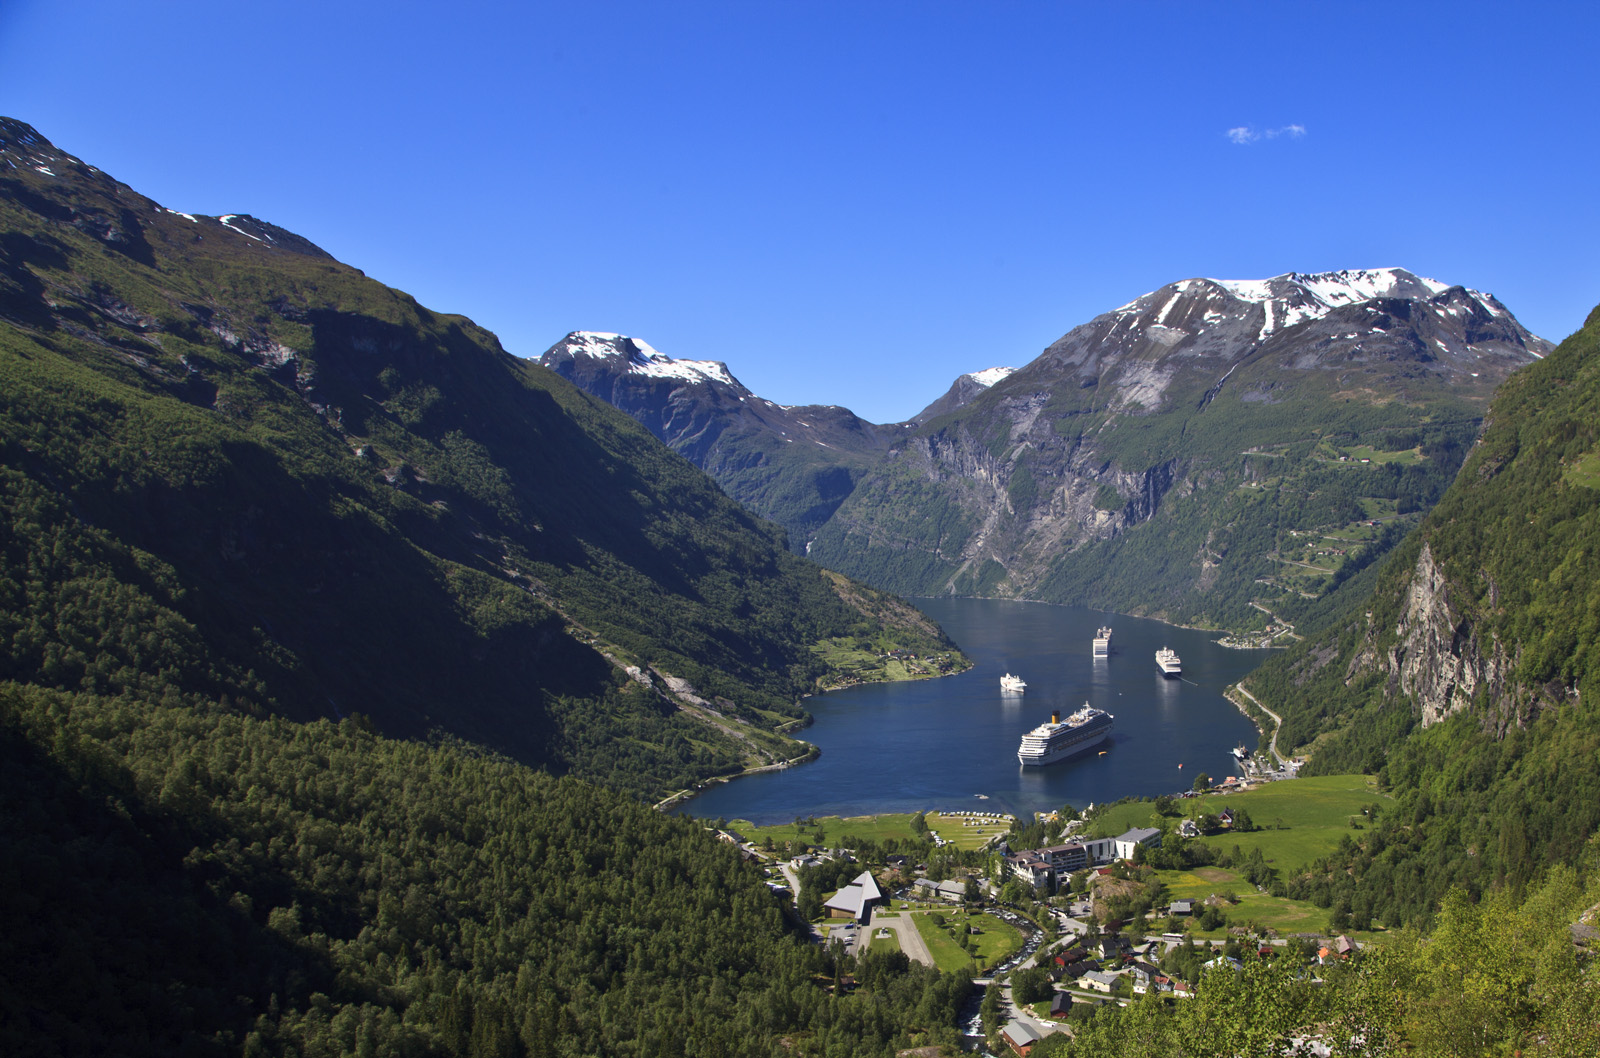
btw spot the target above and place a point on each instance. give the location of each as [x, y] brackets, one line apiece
[238, 469]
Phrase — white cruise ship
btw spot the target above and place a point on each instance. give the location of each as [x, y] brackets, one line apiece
[1060, 739]
[1171, 664]
[1102, 642]
[1010, 684]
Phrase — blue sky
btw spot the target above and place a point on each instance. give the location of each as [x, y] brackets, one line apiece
[850, 203]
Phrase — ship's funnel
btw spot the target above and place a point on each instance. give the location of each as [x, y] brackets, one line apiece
[1055, 717]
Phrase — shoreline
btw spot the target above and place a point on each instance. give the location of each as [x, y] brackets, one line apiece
[852, 787]
[813, 751]
[673, 800]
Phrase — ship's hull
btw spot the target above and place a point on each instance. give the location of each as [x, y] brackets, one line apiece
[1055, 741]
[1051, 756]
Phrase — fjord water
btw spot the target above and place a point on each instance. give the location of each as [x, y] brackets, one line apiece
[951, 743]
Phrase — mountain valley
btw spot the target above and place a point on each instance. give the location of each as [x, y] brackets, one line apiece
[346, 654]
[1209, 453]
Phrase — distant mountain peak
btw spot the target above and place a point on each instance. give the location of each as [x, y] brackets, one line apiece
[24, 150]
[643, 359]
[989, 376]
[1344, 287]
[1188, 308]
[963, 391]
[22, 147]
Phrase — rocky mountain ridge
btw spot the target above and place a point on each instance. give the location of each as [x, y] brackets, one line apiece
[963, 391]
[1164, 409]
[792, 464]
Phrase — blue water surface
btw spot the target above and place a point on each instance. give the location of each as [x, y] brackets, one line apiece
[951, 743]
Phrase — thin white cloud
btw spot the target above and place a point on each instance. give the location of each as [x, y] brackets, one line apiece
[1245, 135]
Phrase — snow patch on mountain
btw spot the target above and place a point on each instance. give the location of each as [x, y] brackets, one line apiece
[990, 376]
[1295, 297]
[643, 359]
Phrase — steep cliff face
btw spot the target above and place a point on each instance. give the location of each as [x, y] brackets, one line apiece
[1166, 456]
[1440, 659]
[1465, 678]
[1490, 612]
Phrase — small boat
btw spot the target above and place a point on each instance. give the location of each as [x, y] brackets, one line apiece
[1010, 684]
[1240, 753]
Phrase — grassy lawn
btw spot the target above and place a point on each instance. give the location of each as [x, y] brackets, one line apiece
[873, 828]
[889, 943]
[1284, 915]
[855, 663]
[834, 828]
[1302, 819]
[954, 829]
[1041, 1010]
[1360, 452]
[947, 955]
[997, 939]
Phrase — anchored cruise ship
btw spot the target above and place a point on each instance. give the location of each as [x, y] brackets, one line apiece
[1102, 642]
[1171, 664]
[1060, 739]
[1010, 684]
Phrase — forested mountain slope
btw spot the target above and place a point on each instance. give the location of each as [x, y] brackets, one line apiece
[1207, 446]
[189, 880]
[237, 470]
[1468, 679]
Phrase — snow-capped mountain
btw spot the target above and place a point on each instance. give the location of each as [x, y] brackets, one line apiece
[963, 391]
[640, 359]
[1147, 460]
[1372, 321]
[792, 464]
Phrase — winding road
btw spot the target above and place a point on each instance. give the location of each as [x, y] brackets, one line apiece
[1276, 720]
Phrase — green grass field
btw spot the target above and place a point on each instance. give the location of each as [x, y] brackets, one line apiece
[1404, 457]
[855, 663]
[1585, 472]
[882, 944]
[953, 829]
[1274, 912]
[947, 955]
[997, 940]
[834, 828]
[1302, 820]
[871, 828]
